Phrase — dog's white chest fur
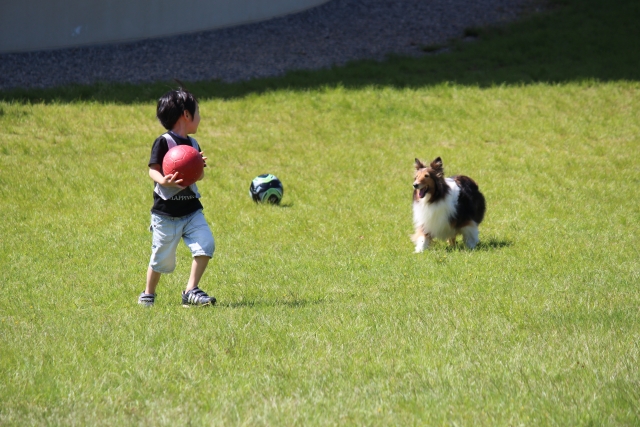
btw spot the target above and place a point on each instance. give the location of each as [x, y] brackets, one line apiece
[434, 218]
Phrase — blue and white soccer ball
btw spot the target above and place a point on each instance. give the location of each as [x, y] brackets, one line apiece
[266, 188]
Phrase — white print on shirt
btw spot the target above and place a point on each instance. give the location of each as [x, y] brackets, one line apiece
[183, 197]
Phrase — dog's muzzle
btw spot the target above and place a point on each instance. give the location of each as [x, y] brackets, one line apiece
[421, 191]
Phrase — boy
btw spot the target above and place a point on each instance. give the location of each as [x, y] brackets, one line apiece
[177, 211]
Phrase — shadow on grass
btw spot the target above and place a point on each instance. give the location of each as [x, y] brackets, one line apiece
[493, 244]
[284, 205]
[490, 244]
[576, 40]
[287, 302]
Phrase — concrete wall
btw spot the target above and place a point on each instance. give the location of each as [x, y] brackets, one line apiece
[48, 24]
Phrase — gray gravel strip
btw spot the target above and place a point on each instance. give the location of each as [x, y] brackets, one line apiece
[331, 34]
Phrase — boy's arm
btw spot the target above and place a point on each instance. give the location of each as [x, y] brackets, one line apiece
[204, 159]
[155, 173]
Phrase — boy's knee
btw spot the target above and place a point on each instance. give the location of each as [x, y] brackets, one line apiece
[203, 247]
[162, 262]
[210, 247]
[163, 266]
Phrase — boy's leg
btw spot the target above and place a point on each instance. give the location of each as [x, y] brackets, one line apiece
[198, 237]
[166, 237]
[148, 297]
[198, 266]
[153, 277]
[163, 255]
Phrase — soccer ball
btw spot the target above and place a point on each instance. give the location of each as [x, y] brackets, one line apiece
[266, 188]
[186, 161]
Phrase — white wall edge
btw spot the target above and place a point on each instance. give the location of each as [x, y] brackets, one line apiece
[31, 25]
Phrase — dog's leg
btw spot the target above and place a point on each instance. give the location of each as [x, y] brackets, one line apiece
[470, 235]
[421, 240]
[452, 241]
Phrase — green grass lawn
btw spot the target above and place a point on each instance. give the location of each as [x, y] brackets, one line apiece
[325, 314]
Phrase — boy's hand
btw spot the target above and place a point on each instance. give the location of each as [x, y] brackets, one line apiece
[204, 160]
[171, 180]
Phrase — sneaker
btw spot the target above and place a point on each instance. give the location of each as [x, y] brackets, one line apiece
[147, 299]
[196, 296]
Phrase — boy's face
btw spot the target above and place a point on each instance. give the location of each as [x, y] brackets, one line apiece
[192, 122]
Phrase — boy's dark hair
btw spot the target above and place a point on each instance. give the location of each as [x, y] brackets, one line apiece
[173, 104]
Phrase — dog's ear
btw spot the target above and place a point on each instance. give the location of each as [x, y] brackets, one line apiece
[436, 165]
[419, 165]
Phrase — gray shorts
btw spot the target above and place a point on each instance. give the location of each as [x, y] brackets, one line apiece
[167, 232]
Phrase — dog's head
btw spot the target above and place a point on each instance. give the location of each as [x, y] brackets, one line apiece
[428, 179]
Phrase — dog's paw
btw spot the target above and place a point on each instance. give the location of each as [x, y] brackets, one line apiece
[421, 244]
[471, 244]
[471, 241]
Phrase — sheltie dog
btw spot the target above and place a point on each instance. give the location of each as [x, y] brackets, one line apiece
[445, 207]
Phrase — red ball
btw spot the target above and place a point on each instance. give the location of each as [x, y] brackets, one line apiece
[186, 161]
